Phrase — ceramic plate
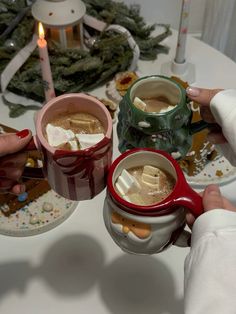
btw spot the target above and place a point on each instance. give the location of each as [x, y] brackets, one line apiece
[218, 171]
[32, 219]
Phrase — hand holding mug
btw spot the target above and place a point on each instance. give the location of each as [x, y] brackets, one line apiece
[203, 97]
[76, 174]
[212, 199]
[141, 228]
[12, 164]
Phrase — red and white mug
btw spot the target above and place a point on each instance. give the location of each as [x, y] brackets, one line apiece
[76, 175]
[149, 229]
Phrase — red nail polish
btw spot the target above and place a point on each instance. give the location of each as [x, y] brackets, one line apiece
[23, 133]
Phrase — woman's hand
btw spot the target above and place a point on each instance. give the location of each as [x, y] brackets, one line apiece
[203, 97]
[12, 164]
[212, 199]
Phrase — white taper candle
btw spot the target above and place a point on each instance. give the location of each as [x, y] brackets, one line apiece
[183, 30]
[45, 66]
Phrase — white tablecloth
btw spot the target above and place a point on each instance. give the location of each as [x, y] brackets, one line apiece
[76, 267]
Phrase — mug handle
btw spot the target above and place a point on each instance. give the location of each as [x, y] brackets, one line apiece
[189, 199]
[199, 126]
[193, 201]
[184, 239]
[29, 172]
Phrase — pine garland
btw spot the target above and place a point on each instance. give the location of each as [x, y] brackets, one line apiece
[75, 70]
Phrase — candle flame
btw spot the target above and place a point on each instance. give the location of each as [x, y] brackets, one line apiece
[41, 31]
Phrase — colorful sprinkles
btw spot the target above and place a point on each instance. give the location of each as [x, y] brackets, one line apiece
[220, 172]
[41, 215]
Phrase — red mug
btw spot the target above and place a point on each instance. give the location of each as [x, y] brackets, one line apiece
[76, 175]
[140, 229]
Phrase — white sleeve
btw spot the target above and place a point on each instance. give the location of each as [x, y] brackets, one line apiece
[210, 267]
[223, 108]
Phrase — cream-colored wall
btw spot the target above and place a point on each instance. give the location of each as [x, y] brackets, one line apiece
[168, 11]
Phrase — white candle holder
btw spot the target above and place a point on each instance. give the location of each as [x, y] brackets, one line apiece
[185, 71]
[179, 66]
[62, 20]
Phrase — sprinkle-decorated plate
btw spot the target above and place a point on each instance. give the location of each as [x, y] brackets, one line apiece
[44, 211]
[41, 215]
[218, 171]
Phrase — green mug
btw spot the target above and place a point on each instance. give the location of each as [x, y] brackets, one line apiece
[170, 130]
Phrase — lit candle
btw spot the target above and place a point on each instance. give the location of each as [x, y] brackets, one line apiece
[183, 30]
[45, 65]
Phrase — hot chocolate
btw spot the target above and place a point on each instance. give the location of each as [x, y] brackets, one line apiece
[144, 185]
[73, 131]
[154, 104]
[79, 122]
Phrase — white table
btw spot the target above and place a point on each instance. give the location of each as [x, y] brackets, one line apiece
[76, 267]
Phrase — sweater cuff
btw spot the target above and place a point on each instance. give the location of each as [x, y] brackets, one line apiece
[212, 221]
[223, 105]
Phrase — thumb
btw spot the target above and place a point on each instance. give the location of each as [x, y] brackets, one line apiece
[212, 198]
[11, 143]
[201, 95]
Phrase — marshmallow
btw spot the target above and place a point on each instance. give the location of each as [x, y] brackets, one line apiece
[138, 103]
[122, 186]
[73, 144]
[87, 124]
[58, 136]
[150, 179]
[88, 140]
[152, 171]
[155, 186]
[152, 176]
[167, 109]
[126, 182]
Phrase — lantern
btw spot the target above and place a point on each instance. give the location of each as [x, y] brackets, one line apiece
[62, 20]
